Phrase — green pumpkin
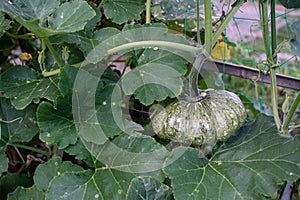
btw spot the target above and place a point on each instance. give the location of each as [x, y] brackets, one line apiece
[202, 117]
[214, 117]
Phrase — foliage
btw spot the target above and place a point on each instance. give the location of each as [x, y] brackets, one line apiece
[66, 125]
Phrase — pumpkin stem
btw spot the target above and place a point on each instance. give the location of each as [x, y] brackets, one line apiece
[193, 77]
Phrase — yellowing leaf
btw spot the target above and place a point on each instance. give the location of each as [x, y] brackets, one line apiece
[221, 50]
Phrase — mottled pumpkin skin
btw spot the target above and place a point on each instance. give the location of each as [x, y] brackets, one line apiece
[201, 122]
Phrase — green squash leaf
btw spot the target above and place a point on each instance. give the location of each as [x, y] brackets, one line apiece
[30, 9]
[16, 125]
[290, 4]
[71, 17]
[250, 164]
[54, 167]
[10, 182]
[121, 11]
[84, 42]
[148, 188]
[80, 152]
[48, 18]
[105, 112]
[104, 183]
[4, 24]
[56, 123]
[132, 153]
[295, 42]
[74, 186]
[23, 85]
[152, 82]
[31, 193]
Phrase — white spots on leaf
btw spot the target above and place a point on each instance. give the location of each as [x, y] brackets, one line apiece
[113, 103]
[27, 81]
[142, 74]
[62, 16]
[9, 2]
[104, 103]
[48, 135]
[219, 163]
[291, 173]
[120, 191]
[58, 173]
[155, 48]
[97, 196]
[56, 163]
[65, 195]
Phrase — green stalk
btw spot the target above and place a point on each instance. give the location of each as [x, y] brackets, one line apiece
[208, 26]
[264, 23]
[235, 7]
[30, 148]
[273, 31]
[193, 77]
[153, 43]
[101, 4]
[198, 22]
[141, 44]
[51, 73]
[289, 116]
[26, 36]
[194, 73]
[53, 52]
[148, 11]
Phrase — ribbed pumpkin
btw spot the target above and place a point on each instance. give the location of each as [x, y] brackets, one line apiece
[201, 117]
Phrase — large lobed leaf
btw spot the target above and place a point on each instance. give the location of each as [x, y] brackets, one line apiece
[54, 167]
[23, 85]
[46, 18]
[31, 193]
[30, 9]
[56, 123]
[249, 165]
[125, 159]
[16, 125]
[150, 83]
[121, 11]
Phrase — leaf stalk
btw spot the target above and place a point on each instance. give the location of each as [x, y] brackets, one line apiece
[53, 52]
[30, 148]
[148, 11]
[290, 114]
[263, 5]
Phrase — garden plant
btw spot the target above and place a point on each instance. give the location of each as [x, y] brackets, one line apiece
[102, 99]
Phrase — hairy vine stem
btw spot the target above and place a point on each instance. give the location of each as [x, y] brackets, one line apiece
[208, 27]
[263, 5]
[290, 114]
[148, 11]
